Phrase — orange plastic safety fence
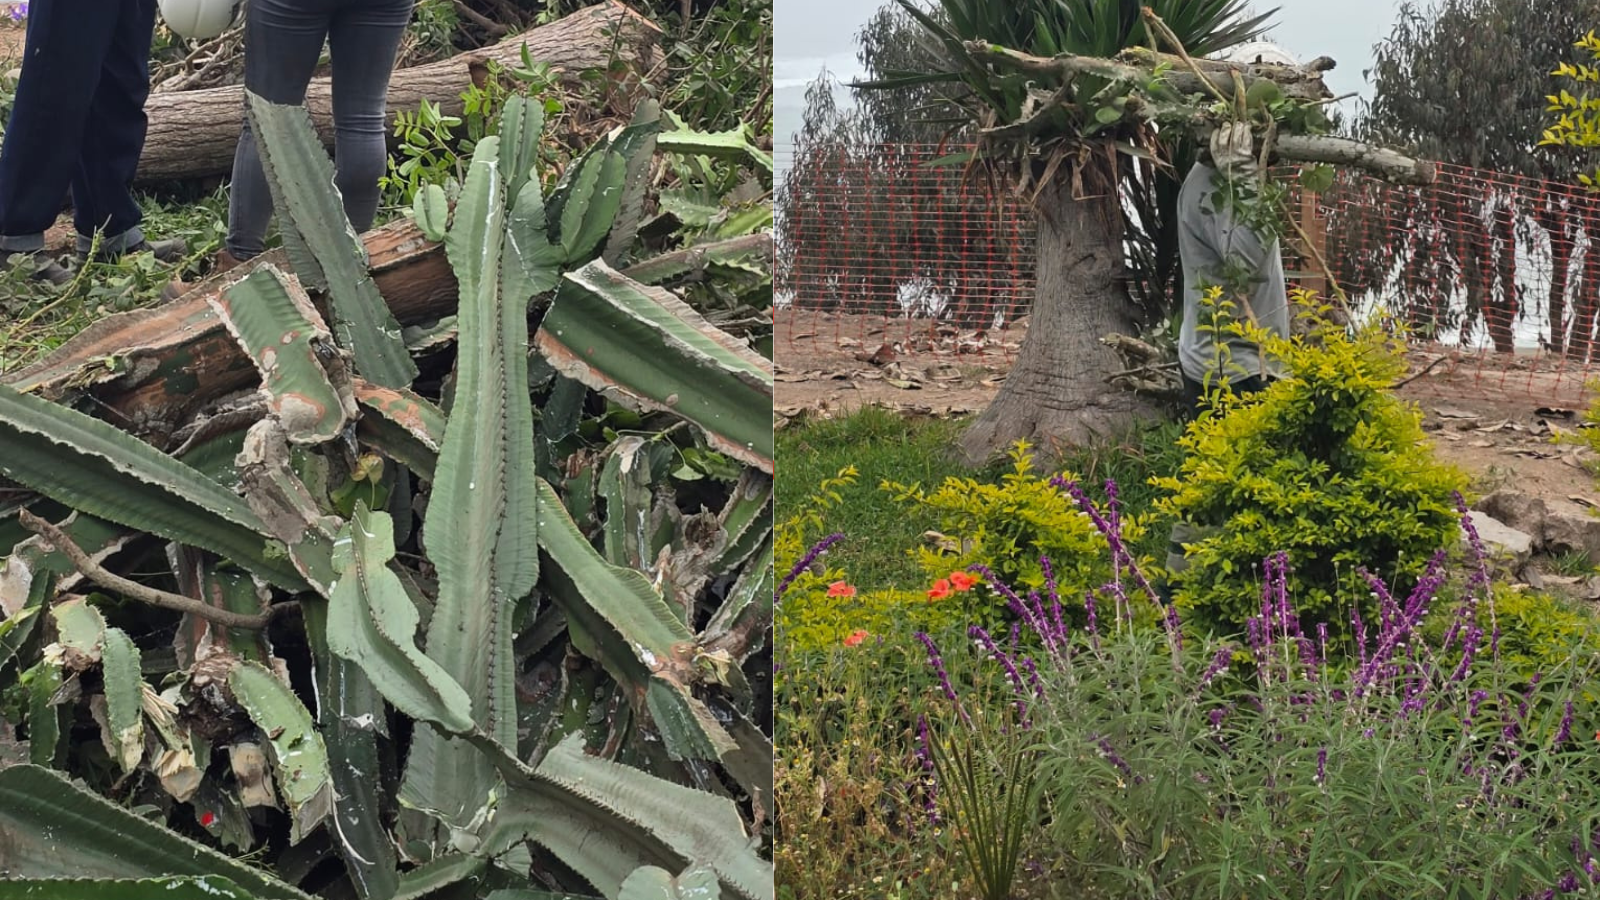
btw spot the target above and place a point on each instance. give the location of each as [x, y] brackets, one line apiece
[1499, 274]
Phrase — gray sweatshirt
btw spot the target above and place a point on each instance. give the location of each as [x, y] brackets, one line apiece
[1206, 237]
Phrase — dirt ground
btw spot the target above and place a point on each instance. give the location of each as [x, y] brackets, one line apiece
[1492, 416]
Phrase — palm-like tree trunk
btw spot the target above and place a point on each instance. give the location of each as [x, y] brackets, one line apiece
[1057, 393]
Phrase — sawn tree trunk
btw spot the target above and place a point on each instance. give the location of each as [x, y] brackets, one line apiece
[1057, 391]
[192, 134]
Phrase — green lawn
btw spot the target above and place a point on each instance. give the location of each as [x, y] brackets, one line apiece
[886, 445]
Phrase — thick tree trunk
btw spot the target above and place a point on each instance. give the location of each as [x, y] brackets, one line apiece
[1501, 314]
[1057, 392]
[192, 134]
[1561, 261]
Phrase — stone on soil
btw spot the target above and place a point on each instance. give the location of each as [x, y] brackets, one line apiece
[1500, 539]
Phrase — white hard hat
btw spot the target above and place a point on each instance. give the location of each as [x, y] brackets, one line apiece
[199, 20]
[1257, 52]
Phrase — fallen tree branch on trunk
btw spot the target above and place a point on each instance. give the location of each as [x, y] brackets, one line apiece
[193, 134]
[1164, 106]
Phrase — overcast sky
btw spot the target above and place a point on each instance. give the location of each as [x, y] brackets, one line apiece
[811, 34]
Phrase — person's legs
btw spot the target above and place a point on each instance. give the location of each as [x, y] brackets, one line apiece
[363, 40]
[67, 43]
[283, 41]
[108, 155]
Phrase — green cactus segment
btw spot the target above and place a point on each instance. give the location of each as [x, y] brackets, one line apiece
[636, 145]
[521, 129]
[747, 520]
[438, 874]
[205, 887]
[124, 686]
[403, 426]
[372, 623]
[44, 719]
[618, 618]
[55, 828]
[606, 820]
[625, 485]
[305, 380]
[88, 464]
[485, 561]
[585, 202]
[17, 628]
[614, 334]
[32, 558]
[298, 754]
[326, 252]
[431, 210]
[81, 632]
[732, 145]
[751, 764]
[651, 883]
[746, 612]
[350, 715]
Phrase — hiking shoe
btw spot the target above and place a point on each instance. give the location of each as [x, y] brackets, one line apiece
[45, 266]
[224, 261]
[174, 290]
[169, 251]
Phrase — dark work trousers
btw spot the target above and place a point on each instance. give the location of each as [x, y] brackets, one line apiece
[283, 41]
[78, 122]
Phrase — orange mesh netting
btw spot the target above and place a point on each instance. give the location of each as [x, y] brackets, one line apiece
[876, 245]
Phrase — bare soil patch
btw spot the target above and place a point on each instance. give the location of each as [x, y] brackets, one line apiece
[1493, 416]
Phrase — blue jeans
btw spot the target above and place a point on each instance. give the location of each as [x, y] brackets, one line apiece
[283, 41]
[87, 62]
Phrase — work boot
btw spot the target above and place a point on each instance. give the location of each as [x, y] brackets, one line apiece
[175, 288]
[168, 251]
[224, 261]
[45, 266]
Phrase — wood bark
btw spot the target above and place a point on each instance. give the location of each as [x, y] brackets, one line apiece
[193, 134]
[152, 370]
[1057, 393]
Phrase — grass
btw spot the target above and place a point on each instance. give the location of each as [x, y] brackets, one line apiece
[882, 444]
[41, 317]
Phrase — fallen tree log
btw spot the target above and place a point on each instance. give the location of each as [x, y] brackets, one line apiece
[154, 371]
[193, 134]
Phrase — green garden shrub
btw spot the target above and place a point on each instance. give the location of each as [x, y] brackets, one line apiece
[1326, 465]
[1008, 527]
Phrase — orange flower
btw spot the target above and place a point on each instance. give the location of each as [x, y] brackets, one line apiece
[841, 589]
[855, 638]
[941, 589]
[962, 581]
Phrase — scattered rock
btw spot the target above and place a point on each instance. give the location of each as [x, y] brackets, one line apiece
[1523, 512]
[1501, 539]
[1572, 530]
